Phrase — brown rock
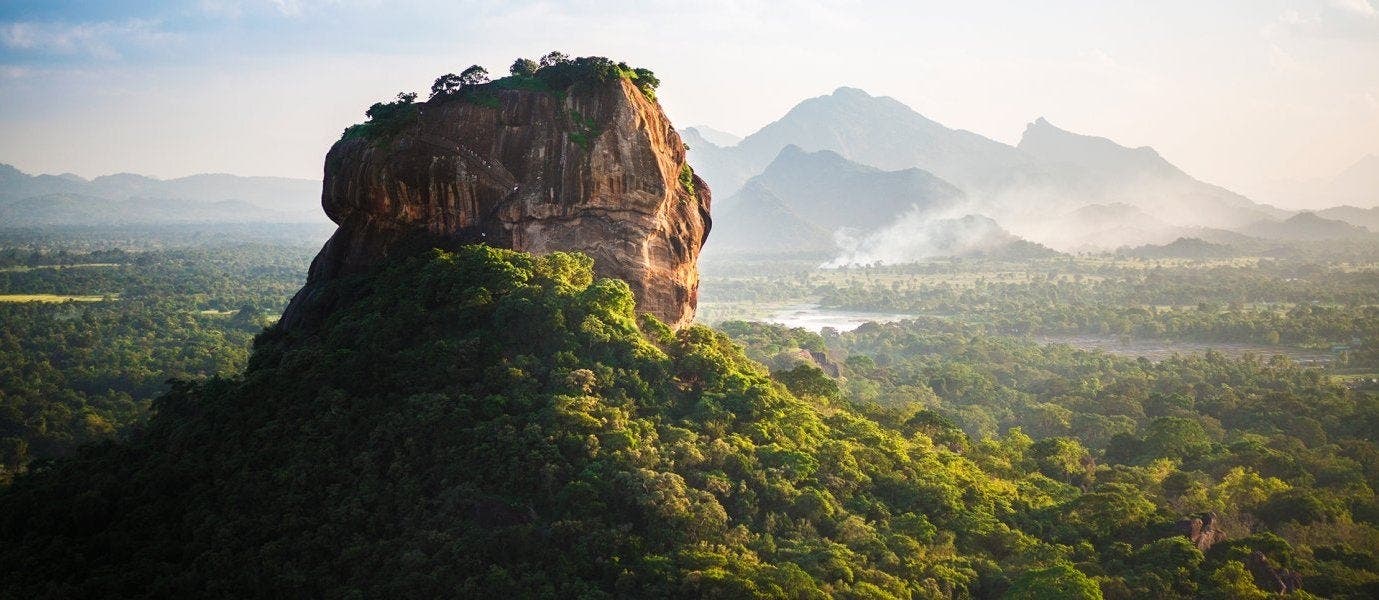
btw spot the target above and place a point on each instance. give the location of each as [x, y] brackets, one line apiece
[594, 169]
[1202, 531]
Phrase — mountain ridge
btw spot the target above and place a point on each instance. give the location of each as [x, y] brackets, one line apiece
[1051, 171]
[275, 198]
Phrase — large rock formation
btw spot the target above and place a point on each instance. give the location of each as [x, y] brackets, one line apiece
[596, 168]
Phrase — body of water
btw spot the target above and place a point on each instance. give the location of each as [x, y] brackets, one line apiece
[815, 318]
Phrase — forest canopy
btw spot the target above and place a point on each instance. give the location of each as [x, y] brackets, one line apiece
[487, 421]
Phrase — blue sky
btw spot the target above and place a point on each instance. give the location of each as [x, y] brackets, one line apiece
[1238, 92]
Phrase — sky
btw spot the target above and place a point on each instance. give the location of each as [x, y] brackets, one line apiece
[1242, 93]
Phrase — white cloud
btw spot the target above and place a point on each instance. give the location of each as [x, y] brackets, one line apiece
[289, 8]
[98, 39]
[229, 9]
[1359, 7]
[1352, 20]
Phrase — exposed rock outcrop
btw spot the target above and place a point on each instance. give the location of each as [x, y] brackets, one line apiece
[1202, 531]
[596, 168]
[1274, 579]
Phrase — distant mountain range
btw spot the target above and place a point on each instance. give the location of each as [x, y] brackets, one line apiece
[819, 203]
[813, 196]
[707, 135]
[847, 163]
[30, 200]
[1307, 226]
[876, 131]
[1103, 171]
[1357, 186]
[1364, 217]
[1192, 248]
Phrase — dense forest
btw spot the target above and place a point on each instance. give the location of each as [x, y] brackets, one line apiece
[1294, 302]
[1275, 453]
[156, 308]
[486, 421]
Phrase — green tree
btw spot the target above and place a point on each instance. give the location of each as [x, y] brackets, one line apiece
[523, 67]
[1063, 459]
[475, 75]
[445, 85]
[809, 381]
[1058, 582]
[553, 58]
[1234, 582]
[1176, 437]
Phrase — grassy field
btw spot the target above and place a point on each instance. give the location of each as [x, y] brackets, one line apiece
[52, 298]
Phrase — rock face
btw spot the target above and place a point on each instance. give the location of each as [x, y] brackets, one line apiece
[596, 169]
[1202, 531]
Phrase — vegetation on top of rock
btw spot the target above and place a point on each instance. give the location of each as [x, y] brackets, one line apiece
[554, 72]
[385, 118]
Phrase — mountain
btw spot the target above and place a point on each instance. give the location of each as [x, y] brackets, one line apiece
[125, 197]
[1362, 217]
[807, 197]
[1108, 172]
[1307, 226]
[711, 136]
[1051, 172]
[876, 131]
[597, 169]
[1191, 248]
[73, 209]
[760, 222]
[834, 192]
[1357, 185]
[1097, 155]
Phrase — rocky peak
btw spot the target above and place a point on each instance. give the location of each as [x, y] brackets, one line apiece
[1050, 142]
[595, 167]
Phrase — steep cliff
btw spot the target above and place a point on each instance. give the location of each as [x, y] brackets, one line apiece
[593, 167]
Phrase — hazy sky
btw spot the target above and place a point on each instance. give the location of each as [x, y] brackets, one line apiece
[1236, 92]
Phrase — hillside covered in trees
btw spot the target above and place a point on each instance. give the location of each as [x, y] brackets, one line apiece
[487, 421]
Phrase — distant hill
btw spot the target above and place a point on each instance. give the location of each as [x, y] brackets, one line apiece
[760, 222]
[1182, 248]
[1363, 217]
[803, 198]
[875, 131]
[73, 209]
[1051, 173]
[834, 192]
[1308, 226]
[1357, 185]
[713, 136]
[213, 197]
[1140, 177]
